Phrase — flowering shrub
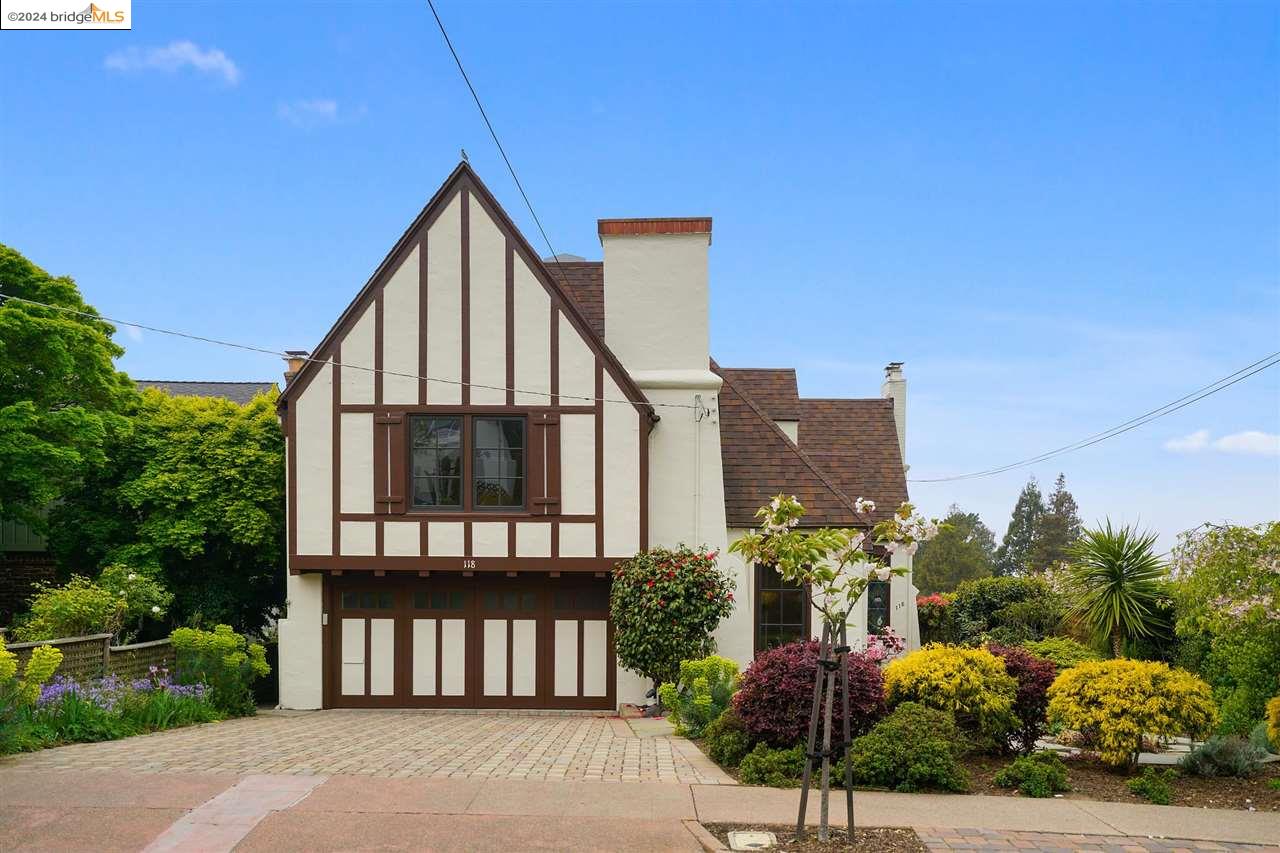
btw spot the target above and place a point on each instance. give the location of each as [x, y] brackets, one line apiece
[1064, 652]
[665, 604]
[1034, 676]
[884, 645]
[1273, 722]
[914, 747]
[970, 683]
[18, 694]
[702, 694]
[74, 609]
[934, 613]
[68, 711]
[225, 661]
[1115, 702]
[775, 696]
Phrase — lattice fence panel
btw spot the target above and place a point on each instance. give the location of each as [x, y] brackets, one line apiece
[135, 661]
[82, 657]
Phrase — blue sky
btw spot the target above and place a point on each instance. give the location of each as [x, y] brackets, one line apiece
[1058, 215]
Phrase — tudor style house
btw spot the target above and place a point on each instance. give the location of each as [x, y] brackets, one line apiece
[483, 434]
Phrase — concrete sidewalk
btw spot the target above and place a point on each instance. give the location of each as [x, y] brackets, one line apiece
[114, 810]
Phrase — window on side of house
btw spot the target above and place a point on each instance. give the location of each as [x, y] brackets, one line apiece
[877, 606]
[440, 446]
[781, 611]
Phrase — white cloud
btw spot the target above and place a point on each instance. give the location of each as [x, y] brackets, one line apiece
[1250, 441]
[175, 57]
[1197, 440]
[309, 112]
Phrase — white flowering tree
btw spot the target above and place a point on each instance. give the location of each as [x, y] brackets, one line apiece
[834, 565]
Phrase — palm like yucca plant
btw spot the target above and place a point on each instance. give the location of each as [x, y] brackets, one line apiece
[1116, 577]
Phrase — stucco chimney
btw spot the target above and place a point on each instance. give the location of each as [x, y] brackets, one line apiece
[656, 292]
[295, 359]
[895, 388]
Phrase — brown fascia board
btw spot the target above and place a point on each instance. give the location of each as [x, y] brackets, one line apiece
[653, 225]
[463, 173]
[791, 447]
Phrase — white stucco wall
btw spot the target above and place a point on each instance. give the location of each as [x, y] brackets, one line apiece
[400, 333]
[444, 305]
[532, 326]
[357, 350]
[301, 644]
[621, 474]
[313, 430]
[488, 317]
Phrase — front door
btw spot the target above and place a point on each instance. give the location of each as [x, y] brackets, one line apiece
[449, 641]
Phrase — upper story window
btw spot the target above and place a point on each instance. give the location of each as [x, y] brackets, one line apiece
[440, 446]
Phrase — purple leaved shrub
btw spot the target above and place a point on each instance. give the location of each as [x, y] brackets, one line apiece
[775, 695]
[1034, 676]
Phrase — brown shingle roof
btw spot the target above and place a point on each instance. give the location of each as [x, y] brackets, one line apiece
[759, 462]
[773, 389]
[855, 443]
[584, 282]
[236, 392]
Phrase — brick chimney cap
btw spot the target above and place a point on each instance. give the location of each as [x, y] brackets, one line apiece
[660, 225]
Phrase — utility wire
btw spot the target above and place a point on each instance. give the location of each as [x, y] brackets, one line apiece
[285, 355]
[1133, 423]
[484, 115]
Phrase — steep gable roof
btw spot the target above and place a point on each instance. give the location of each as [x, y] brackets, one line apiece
[236, 392]
[855, 442]
[584, 281]
[773, 389]
[463, 177]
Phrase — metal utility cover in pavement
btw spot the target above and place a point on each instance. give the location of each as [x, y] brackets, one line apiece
[752, 840]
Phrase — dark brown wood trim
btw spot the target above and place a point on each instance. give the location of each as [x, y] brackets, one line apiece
[555, 355]
[377, 346]
[509, 255]
[423, 549]
[378, 533]
[466, 538]
[642, 436]
[511, 538]
[511, 654]
[582, 648]
[440, 657]
[469, 410]
[337, 456]
[479, 515]
[368, 657]
[555, 539]
[599, 407]
[423, 307]
[466, 296]
[356, 565]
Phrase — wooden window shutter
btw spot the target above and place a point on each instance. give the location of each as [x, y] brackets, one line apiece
[390, 467]
[544, 463]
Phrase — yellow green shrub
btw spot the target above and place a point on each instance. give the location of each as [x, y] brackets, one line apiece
[42, 664]
[1116, 702]
[1273, 722]
[703, 692]
[970, 683]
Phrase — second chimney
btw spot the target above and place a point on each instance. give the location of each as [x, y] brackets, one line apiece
[894, 388]
[295, 358]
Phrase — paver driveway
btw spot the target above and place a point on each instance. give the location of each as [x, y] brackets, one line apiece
[400, 743]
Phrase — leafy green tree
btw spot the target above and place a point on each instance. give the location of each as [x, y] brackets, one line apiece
[963, 550]
[1117, 583]
[1013, 557]
[61, 398]
[193, 496]
[1057, 530]
[1228, 615]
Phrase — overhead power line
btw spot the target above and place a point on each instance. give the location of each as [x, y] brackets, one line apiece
[1133, 423]
[280, 354]
[484, 115]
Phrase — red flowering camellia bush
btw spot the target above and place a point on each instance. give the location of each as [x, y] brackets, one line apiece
[664, 604]
[775, 696]
[1031, 703]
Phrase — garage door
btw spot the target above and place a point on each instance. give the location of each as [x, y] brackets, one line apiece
[449, 641]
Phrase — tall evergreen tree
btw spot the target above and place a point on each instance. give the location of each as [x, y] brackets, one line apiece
[964, 550]
[1013, 557]
[1058, 530]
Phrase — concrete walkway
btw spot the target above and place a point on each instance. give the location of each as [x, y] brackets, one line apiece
[116, 810]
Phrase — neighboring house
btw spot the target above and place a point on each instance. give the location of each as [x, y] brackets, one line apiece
[24, 557]
[454, 514]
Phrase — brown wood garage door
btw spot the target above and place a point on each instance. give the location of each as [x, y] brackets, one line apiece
[449, 641]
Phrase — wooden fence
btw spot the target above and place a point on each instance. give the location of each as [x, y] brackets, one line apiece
[94, 656]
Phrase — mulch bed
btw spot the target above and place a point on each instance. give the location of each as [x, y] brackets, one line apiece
[1092, 780]
[881, 840]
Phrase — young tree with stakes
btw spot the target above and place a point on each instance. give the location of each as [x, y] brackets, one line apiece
[834, 569]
